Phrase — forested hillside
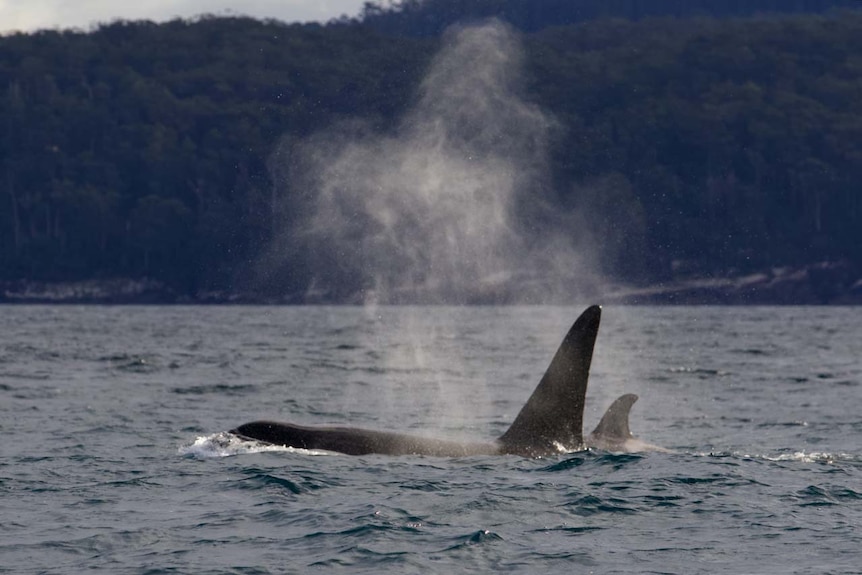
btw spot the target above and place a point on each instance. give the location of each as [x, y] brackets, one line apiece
[692, 146]
[431, 17]
[141, 149]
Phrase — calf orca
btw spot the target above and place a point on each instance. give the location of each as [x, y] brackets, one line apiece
[613, 433]
[550, 422]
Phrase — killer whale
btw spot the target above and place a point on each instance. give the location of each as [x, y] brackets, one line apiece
[550, 422]
[613, 432]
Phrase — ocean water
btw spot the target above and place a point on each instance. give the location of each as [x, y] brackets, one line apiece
[115, 456]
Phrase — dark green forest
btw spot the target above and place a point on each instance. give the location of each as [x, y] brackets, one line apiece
[697, 145]
[431, 17]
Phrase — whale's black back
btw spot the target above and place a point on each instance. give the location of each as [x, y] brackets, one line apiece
[356, 441]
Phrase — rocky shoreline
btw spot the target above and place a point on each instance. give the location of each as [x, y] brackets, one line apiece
[825, 283]
[102, 291]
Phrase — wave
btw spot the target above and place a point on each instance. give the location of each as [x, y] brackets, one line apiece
[224, 444]
[796, 456]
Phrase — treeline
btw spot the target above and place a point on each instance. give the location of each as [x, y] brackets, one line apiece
[431, 17]
[143, 150]
[738, 140]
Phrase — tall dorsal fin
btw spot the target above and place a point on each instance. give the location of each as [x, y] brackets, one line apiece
[615, 421]
[553, 417]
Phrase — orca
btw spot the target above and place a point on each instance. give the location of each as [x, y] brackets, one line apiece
[613, 433]
[551, 421]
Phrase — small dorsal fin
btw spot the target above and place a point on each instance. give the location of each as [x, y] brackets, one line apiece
[552, 419]
[615, 421]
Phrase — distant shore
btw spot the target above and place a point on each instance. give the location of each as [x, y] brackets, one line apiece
[826, 283]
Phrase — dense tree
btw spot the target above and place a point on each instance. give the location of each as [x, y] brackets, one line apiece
[431, 17]
[113, 140]
[140, 149]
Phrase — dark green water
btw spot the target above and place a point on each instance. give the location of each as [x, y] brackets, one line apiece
[114, 459]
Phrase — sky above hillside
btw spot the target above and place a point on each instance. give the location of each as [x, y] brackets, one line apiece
[29, 15]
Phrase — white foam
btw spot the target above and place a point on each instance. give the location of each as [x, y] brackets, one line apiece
[799, 456]
[803, 457]
[225, 444]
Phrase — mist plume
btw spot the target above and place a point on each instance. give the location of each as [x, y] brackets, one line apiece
[450, 207]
